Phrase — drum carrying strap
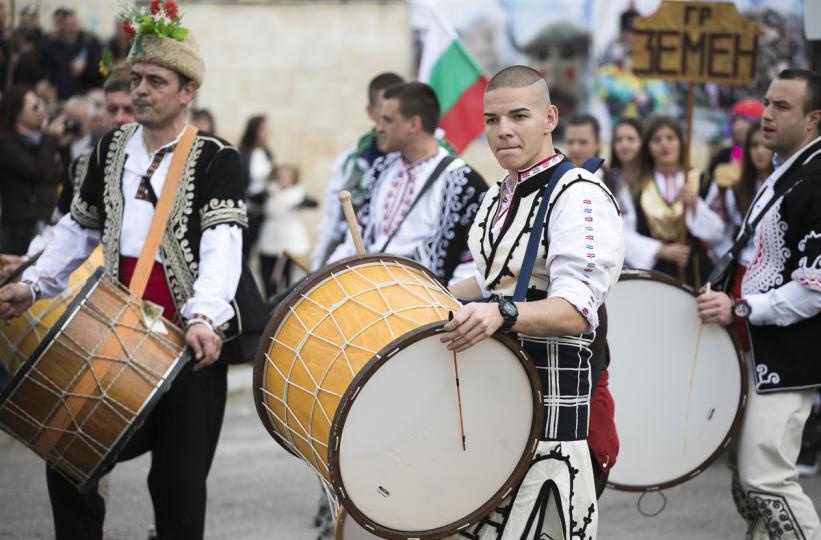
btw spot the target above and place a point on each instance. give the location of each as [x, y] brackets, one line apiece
[722, 274]
[163, 209]
[591, 165]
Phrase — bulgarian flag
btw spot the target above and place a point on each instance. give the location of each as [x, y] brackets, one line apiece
[457, 79]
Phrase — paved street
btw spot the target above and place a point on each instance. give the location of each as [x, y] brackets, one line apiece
[257, 491]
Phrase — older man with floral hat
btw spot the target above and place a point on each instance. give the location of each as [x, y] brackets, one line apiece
[194, 275]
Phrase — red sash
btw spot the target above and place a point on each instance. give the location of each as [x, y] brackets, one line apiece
[601, 436]
[156, 291]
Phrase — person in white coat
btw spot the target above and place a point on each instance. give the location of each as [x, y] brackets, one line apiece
[283, 228]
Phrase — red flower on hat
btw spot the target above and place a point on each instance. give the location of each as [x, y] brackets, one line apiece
[154, 8]
[171, 10]
[129, 29]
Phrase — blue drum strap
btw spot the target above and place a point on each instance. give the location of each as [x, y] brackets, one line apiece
[591, 165]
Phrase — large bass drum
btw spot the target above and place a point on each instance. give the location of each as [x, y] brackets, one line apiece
[678, 384]
[351, 376]
[95, 376]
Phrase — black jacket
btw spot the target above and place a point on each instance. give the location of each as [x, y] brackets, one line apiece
[29, 175]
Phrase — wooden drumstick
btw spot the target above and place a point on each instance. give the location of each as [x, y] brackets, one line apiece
[350, 217]
[296, 261]
[458, 393]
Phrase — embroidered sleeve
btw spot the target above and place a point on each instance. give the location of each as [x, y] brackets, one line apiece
[217, 212]
[222, 200]
[446, 251]
[585, 249]
[808, 272]
[369, 184]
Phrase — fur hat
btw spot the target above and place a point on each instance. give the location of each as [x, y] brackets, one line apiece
[180, 56]
[160, 38]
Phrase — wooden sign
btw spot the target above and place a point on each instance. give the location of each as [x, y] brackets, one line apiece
[696, 42]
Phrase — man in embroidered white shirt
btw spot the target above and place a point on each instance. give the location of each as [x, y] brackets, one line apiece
[420, 200]
[194, 278]
[776, 290]
[577, 258]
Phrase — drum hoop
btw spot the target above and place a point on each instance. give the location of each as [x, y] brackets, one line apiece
[652, 275]
[282, 310]
[110, 458]
[365, 374]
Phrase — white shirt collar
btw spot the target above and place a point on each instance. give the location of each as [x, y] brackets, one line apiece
[782, 166]
[138, 157]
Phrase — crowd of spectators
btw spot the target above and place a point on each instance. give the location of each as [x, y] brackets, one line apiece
[53, 110]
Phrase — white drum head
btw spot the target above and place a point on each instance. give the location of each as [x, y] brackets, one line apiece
[677, 384]
[397, 459]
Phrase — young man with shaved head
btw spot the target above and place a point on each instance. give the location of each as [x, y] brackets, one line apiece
[577, 259]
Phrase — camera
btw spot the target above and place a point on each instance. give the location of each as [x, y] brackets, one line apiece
[73, 126]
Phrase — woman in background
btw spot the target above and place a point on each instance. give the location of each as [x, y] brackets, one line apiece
[732, 191]
[657, 202]
[258, 164]
[283, 229]
[625, 145]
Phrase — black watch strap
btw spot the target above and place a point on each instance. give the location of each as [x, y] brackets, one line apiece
[509, 312]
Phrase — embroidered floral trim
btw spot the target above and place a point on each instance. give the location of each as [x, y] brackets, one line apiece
[459, 206]
[370, 181]
[180, 264]
[113, 196]
[808, 273]
[766, 270]
[217, 212]
[79, 171]
[85, 214]
[777, 515]
[762, 376]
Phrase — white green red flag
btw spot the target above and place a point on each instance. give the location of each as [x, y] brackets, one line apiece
[459, 83]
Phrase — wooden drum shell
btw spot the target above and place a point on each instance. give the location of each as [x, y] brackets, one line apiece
[91, 381]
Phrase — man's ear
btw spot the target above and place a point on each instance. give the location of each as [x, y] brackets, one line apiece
[188, 91]
[814, 120]
[416, 123]
[551, 119]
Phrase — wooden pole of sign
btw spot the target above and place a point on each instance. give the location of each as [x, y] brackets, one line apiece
[688, 135]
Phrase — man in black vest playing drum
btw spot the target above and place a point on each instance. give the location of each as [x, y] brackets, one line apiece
[777, 292]
[194, 276]
[576, 258]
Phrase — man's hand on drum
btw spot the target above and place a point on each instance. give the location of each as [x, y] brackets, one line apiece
[715, 307]
[14, 300]
[471, 324]
[205, 343]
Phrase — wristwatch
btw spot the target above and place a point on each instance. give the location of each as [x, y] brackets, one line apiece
[509, 313]
[741, 309]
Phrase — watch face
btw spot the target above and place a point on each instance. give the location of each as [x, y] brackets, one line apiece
[741, 309]
[509, 309]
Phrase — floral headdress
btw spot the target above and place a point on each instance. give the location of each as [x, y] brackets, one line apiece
[159, 38]
[160, 19]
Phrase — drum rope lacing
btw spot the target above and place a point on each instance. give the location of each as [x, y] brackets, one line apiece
[410, 283]
[77, 427]
[34, 324]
